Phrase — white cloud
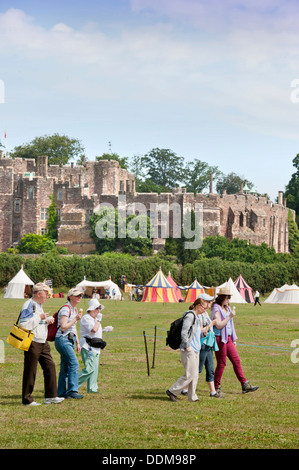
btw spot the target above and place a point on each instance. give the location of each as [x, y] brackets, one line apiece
[242, 72]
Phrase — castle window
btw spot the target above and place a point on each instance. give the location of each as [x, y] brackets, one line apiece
[17, 205]
[44, 213]
[88, 214]
[16, 220]
[43, 231]
[58, 214]
[247, 219]
[60, 195]
[241, 220]
[128, 186]
[121, 186]
[30, 192]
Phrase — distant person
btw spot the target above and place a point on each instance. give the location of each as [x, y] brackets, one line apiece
[33, 318]
[189, 350]
[257, 298]
[65, 341]
[226, 336]
[90, 327]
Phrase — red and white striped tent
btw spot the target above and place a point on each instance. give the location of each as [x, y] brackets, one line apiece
[244, 289]
[194, 290]
[158, 289]
[177, 291]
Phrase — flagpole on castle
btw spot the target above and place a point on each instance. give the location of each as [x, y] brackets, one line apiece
[5, 144]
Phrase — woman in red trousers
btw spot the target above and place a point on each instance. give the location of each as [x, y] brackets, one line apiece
[226, 336]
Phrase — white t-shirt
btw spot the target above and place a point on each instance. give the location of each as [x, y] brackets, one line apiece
[30, 319]
[86, 325]
[70, 312]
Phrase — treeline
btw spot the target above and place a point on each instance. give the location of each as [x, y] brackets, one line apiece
[67, 271]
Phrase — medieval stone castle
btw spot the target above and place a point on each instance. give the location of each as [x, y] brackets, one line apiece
[27, 184]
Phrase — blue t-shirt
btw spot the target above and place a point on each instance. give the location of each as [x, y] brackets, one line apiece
[228, 325]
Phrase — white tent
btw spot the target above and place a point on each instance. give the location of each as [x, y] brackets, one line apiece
[236, 297]
[275, 294]
[88, 287]
[18, 286]
[285, 295]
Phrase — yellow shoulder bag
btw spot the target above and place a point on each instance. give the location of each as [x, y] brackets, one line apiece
[19, 337]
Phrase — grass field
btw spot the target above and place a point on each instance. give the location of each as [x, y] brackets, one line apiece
[132, 410]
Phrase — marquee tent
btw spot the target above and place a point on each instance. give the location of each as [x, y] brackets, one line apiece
[19, 287]
[274, 294]
[102, 286]
[177, 291]
[244, 289]
[285, 295]
[194, 290]
[236, 297]
[158, 289]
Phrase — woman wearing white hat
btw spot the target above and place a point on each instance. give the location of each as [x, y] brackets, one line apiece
[65, 340]
[91, 344]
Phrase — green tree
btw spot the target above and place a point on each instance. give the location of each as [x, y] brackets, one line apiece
[231, 183]
[292, 189]
[32, 243]
[60, 149]
[123, 161]
[197, 175]
[293, 236]
[52, 220]
[133, 237]
[164, 168]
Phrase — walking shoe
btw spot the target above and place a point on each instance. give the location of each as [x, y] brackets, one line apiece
[48, 401]
[171, 396]
[217, 395]
[246, 387]
[74, 395]
[33, 403]
[185, 391]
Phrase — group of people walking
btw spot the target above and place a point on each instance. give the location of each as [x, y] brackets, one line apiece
[66, 342]
[200, 336]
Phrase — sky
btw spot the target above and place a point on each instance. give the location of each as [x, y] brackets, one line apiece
[214, 80]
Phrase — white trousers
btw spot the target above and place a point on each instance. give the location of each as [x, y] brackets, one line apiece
[190, 360]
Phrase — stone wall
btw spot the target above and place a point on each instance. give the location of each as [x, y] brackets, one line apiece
[26, 184]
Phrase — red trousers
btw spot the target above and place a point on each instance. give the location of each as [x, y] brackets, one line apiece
[227, 350]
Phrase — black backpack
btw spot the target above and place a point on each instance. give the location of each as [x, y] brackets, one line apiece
[174, 338]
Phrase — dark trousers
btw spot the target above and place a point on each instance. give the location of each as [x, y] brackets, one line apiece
[257, 301]
[38, 353]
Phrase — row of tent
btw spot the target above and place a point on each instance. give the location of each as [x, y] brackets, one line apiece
[21, 284]
[162, 289]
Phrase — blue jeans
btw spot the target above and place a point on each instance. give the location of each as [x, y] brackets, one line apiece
[69, 366]
[206, 359]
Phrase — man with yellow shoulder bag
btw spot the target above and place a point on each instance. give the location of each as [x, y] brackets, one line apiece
[33, 318]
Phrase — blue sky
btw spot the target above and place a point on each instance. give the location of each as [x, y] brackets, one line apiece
[207, 79]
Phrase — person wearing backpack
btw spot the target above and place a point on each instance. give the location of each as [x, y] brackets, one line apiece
[189, 350]
[35, 319]
[65, 341]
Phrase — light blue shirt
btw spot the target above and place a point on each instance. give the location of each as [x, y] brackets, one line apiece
[195, 343]
[228, 325]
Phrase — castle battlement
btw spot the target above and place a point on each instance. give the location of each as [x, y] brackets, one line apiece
[27, 184]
